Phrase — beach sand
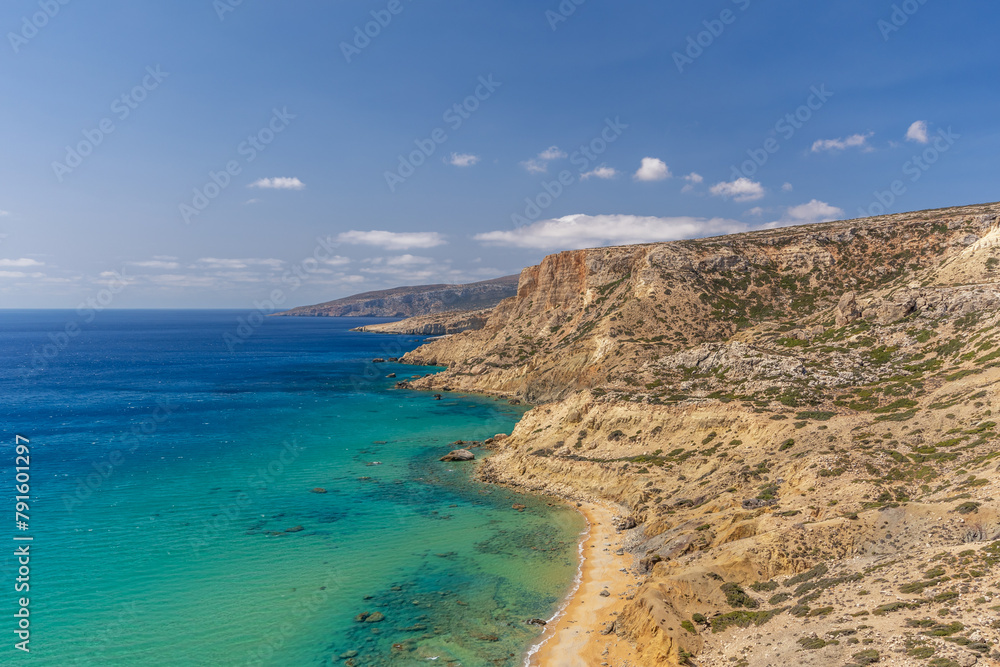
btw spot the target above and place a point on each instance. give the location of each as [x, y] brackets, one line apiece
[574, 639]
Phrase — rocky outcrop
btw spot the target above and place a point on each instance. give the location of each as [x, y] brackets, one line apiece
[586, 318]
[414, 301]
[459, 455]
[847, 310]
[799, 426]
[442, 324]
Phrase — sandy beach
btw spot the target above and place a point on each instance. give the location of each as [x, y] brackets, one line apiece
[574, 639]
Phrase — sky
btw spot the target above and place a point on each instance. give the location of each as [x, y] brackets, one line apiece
[248, 154]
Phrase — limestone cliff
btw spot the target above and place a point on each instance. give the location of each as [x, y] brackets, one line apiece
[439, 324]
[800, 422]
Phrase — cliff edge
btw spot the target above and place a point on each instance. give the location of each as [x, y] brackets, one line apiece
[799, 426]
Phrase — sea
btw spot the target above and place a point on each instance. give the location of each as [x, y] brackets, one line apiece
[214, 488]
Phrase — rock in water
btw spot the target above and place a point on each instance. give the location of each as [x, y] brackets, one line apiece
[459, 455]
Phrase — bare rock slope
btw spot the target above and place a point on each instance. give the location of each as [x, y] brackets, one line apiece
[439, 324]
[799, 425]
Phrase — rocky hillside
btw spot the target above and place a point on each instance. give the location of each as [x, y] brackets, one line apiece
[413, 301]
[440, 324]
[800, 424]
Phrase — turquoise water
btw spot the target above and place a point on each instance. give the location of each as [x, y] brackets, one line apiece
[174, 507]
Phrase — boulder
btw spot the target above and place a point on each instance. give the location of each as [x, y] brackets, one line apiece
[536, 621]
[623, 522]
[319, 489]
[377, 617]
[459, 455]
[847, 309]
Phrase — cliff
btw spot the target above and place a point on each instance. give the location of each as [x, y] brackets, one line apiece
[414, 301]
[799, 424]
[440, 324]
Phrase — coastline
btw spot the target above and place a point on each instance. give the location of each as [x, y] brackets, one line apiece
[573, 636]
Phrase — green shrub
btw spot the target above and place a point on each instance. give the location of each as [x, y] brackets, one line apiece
[737, 597]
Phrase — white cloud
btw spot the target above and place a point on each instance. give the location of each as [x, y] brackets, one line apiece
[918, 132]
[280, 183]
[402, 260]
[337, 260]
[232, 264]
[156, 264]
[251, 201]
[741, 190]
[652, 169]
[3, 213]
[540, 164]
[787, 187]
[602, 172]
[586, 231]
[853, 141]
[20, 263]
[463, 159]
[814, 211]
[552, 153]
[392, 240]
[535, 166]
[692, 179]
[756, 211]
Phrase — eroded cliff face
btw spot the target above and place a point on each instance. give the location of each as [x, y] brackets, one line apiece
[589, 318]
[801, 422]
[440, 324]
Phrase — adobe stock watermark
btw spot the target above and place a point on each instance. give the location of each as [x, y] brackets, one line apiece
[700, 42]
[223, 7]
[363, 35]
[914, 168]
[899, 17]
[294, 277]
[786, 127]
[122, 107]
[258, 481]
[31, 25]
[248, 150]
[562, 13]
[583, 158]
[86, 312]
[105, 469]
[454, 117]
[292, 620]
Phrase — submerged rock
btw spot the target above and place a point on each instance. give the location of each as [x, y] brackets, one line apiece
[536, 621]
[459, 455]
[318, 489]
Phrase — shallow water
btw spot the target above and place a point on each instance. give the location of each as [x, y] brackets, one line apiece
[174, 515]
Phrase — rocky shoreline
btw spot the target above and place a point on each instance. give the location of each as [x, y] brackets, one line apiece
[800, 424]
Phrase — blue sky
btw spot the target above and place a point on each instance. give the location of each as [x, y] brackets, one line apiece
[204, 153]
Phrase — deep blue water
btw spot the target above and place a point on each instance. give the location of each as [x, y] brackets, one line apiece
[206, 493]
